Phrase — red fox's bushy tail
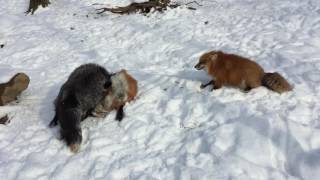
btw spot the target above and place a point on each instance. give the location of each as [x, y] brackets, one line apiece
[276, 82]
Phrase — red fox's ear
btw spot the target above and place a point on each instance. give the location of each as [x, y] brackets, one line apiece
[214, 57]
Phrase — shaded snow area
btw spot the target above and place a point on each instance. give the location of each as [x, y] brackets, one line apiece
[173, 130]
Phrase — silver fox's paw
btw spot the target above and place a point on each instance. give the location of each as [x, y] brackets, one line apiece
[99, 114]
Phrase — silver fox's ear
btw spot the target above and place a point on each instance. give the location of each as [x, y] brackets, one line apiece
[107, 84]
[214, 57]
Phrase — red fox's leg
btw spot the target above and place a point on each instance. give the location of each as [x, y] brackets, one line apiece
[120, 113]
[205, 85]
[247, 89]
[216, 85]
[244, 86]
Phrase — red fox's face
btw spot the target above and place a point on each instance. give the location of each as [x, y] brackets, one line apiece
[206, 60]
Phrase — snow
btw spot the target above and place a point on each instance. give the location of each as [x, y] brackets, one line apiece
[173, 130]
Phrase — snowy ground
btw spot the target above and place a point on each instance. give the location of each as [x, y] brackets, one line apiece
[173, 130]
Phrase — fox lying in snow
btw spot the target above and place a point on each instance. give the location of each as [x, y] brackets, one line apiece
[11, 89]
[124, 88]
[237, 71]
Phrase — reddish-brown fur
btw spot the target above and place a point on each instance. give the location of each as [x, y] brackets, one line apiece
[112, 101]
[236, 71]
[132, 86]
[131, 93]
[10, 90]
[276, 82]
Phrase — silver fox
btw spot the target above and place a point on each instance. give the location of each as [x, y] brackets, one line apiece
[79, 95]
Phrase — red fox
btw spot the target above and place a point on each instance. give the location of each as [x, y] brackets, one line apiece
[236, 71]
[124, 89]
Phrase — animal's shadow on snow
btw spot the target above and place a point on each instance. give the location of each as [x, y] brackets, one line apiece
[192, 75]
[187, 75]
[47, 108]
[296, 156]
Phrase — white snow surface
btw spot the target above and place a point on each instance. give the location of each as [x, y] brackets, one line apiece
[173, 130]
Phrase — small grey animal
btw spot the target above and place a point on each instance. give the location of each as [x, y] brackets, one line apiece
[79, 95]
